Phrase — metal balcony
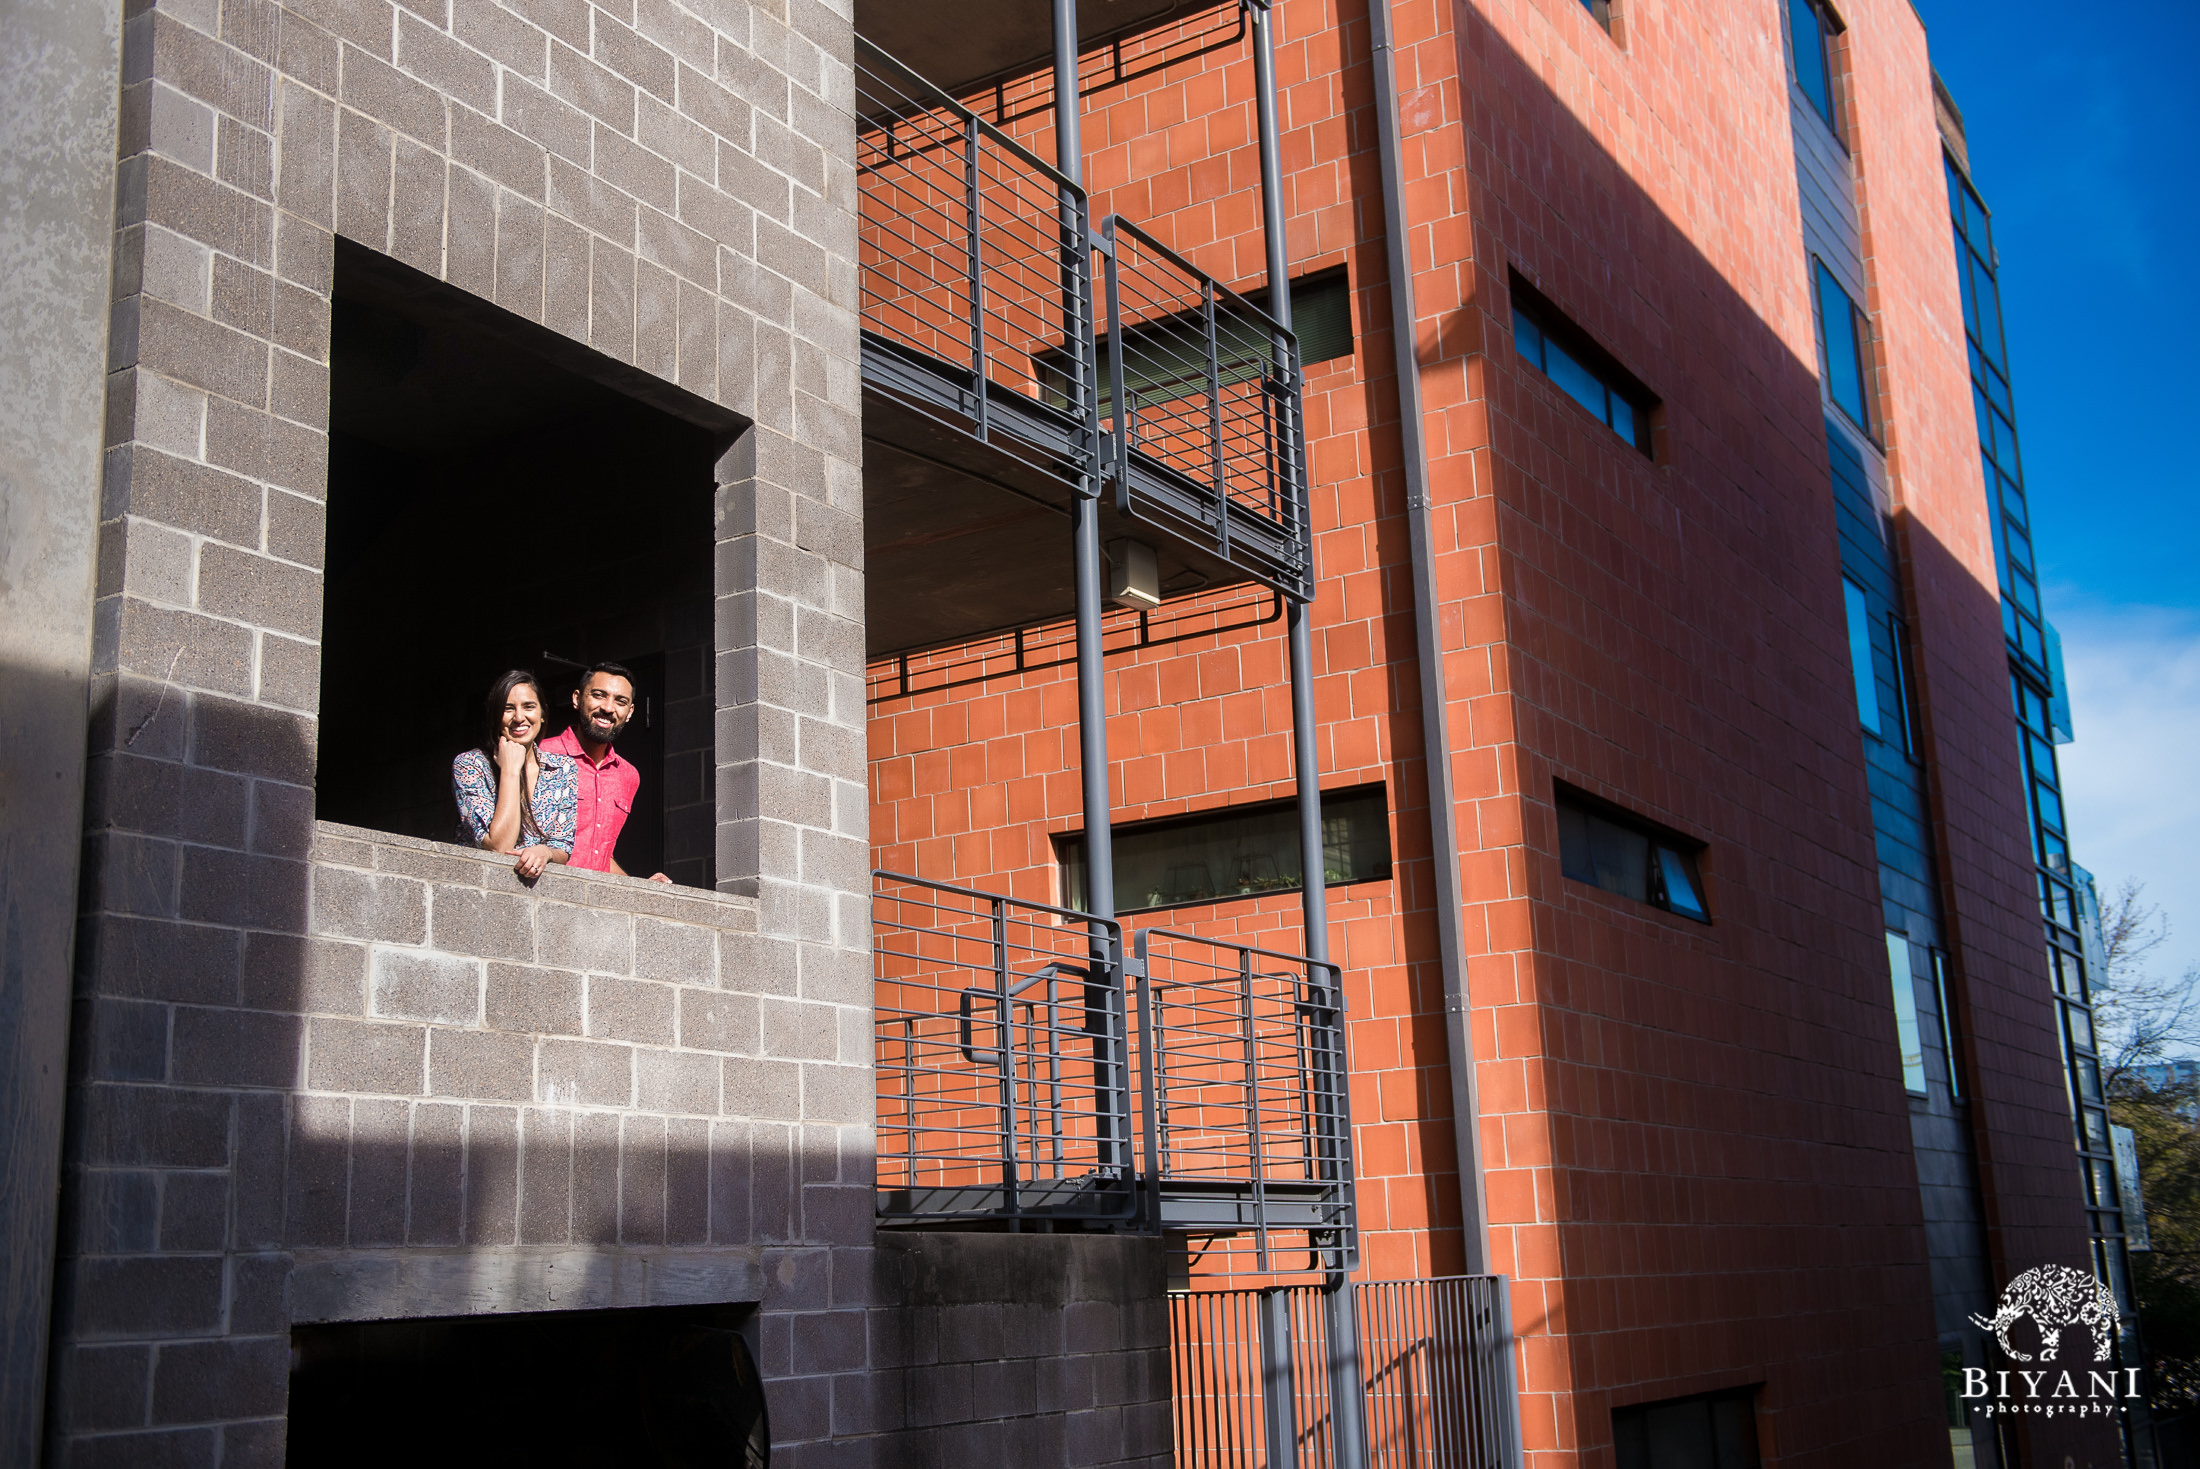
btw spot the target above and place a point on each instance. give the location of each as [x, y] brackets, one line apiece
[1014, 1087]
[988, 407]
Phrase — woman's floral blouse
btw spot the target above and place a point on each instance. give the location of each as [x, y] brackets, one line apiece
[556, 804]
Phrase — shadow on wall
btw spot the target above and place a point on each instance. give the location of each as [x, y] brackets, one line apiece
[1705, 584]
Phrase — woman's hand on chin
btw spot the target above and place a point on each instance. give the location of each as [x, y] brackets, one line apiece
[532, 862]
[511, 754]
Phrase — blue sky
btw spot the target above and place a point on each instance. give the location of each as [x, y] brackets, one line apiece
[2081, 126]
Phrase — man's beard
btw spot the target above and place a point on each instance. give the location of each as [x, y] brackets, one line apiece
[588, 729]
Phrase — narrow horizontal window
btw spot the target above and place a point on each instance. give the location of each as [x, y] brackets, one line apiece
[1860, 654]
[1611, 849]
[1842, 334]
[1165, 358]
[1236, 852]
[1715, 1431]
[1586, 373]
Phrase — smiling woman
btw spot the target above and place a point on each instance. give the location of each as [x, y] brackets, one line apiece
[512, 796]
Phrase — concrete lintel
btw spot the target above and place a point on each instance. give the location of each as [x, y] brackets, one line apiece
[405, 1284]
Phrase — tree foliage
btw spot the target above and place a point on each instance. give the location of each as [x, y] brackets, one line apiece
[2142, 1019]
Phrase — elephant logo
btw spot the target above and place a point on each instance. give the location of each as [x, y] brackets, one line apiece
[2054, 1296]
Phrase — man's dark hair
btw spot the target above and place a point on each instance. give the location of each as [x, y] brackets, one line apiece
[618, 669]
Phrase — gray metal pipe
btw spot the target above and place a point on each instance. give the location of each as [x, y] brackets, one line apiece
[1428, 641]
[1092, 710]
[1314, 900]
[1347, 1399]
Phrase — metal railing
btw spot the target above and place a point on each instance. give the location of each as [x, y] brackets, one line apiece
[1201, 396]
[1003, 1067]
[1011, 1085]
[1247, 1123]
[1252, 1392]
[974, 258]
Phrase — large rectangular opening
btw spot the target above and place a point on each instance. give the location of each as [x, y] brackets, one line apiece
[662, 1386]
[501, 497]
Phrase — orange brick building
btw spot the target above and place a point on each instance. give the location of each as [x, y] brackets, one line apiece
[1702, 1152]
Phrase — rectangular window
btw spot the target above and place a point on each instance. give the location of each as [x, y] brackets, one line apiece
[1947, 1026]
[1905, 692]
[1586, 373]
[1715, 1431]
[1606, 847]
[1843, 332]
[1907, 1031]
[1236, 852]
[1860, 654]
[1601, 10]
[1166, 357]
[1811, 30]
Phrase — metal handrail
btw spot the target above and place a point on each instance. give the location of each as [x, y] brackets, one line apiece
[989, 1010]
[1181, 348]
[975, 256]
[999, 1126]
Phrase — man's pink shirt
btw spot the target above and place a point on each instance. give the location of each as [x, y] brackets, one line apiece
[607, 798]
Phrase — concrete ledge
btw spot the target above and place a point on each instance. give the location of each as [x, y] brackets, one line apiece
[403, 1284]
[336, 845]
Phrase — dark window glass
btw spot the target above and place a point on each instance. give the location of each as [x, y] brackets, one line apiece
[1601, 10]
[1813, 71]
[1715, 1431]
[1948, 1026]
[1905, 694]
[1165, 358]
[1605, 848]
[1561, 352]
[1237, 852]
[1841, 336]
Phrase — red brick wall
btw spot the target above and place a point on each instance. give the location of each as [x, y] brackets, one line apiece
[1695, 1139]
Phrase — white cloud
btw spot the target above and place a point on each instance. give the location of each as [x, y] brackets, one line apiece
[2132, 779]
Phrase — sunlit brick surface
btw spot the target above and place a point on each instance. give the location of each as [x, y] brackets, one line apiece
[1697, 1152]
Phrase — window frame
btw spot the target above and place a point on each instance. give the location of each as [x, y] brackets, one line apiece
[1661, 842]
[1859, 336]
[1856, 605]
[1071, 852]
[1827, 26]
[1553, 328]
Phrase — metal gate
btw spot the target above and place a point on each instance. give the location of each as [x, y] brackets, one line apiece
[1252, 1383]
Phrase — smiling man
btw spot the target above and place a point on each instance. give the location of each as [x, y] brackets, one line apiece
[602, 705]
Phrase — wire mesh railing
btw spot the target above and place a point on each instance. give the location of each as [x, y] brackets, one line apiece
[1253, 1389]
[1203, 386]
[975, 257]
[1248, 1132]
[1002, 1059]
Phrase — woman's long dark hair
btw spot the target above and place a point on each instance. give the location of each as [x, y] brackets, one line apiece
[493, 712]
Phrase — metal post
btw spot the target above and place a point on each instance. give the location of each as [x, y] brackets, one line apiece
[1279, 1413]
[1347, 1398]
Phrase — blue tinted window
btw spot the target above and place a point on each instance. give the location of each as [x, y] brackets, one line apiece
[1807, 27]
[1840, 333]
[1580, 384]
[1860, 654]
[1594, 387]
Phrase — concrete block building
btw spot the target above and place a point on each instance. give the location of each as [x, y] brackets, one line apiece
[1326, 690]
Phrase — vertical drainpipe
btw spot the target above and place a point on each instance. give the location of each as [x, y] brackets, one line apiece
[1346, 1397]
[1092, 710]
[1092, 713]
[1428, 639]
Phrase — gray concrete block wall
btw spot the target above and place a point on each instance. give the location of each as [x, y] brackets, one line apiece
[310, 1067]
[1020, 1349]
